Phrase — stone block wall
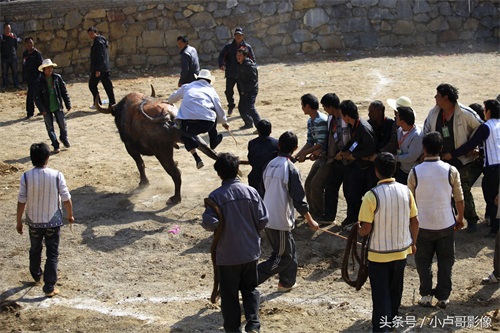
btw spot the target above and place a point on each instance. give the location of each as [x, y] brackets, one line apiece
[143, 33]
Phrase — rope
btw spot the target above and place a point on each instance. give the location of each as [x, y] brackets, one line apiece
[359, 260]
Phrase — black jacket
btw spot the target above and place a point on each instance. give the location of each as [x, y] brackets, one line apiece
[8, 47]
[31, 62]
[248, 77]
[362, 144]
[227, 57]
[99, 55]
[42, 96]
[190, 65]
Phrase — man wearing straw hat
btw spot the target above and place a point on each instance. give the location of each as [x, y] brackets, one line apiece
[199, 112]
[50, 93]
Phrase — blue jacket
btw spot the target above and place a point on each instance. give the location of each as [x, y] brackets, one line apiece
[190, 65]
[245, 215]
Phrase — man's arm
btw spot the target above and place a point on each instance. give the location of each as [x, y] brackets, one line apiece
[414, 233]
[20, 211]
[68, 205]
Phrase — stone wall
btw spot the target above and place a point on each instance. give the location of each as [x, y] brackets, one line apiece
[143, 33]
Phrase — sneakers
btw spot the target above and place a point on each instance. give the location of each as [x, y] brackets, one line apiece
[199, 164]
[92, 107]
[56, 151]
[230, 110]
[283, 289]
[52, 293]
[443, 303]
[246, 126]
[218, 140]
[490, 279]
[66, 144]
[425, 301]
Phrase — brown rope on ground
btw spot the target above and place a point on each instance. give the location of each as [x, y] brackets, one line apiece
[213, 248]
[353, 257]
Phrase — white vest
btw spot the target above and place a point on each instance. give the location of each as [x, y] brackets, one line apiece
[492, 143]
[391, 224]
[433, 195]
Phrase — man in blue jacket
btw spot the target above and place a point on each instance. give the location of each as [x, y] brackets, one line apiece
[190, 65]
[99, 67]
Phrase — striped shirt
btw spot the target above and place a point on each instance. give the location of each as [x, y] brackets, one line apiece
[317, 130]
[42, 189]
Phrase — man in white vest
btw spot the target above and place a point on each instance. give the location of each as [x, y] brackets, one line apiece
[434, 183]
[389, 215]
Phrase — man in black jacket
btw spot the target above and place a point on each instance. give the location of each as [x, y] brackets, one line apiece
[8, 49]
[50, 93]
[190, 65]
[32, 59]
[99, 67]
[248, 86]
[227, 63]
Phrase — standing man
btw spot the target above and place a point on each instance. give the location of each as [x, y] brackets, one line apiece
[434, 183]
[199, 112]
[389, 215]
[238, 250]
[314, 148]
[8, 49]
[360, 173]
[32, 59]
[248, 86]
[190, 65]
[456, 123]
[261, 150]
[99, 67]
[50, 92]
[228, 64]
[284, 192]
[40, 192]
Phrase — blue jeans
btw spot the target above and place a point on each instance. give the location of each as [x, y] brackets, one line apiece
[49, 125]
[242, 278]
[51, 236]
[441, 243]
[12, 64]
[386, 280]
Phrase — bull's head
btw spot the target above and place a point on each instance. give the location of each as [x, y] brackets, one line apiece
[101, 109]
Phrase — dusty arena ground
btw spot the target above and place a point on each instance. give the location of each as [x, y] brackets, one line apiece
[120, 270]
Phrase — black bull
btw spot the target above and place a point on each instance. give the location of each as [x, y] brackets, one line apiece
[144, 124]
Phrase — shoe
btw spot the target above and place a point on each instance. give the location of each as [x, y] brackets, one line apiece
[471, 228]
[66, 144]
[246, 126]
[283, 289]
[92, 107]
[3, 89]
[230, 111]
[255, 132]
[56, 151]
[28, 117]
[425, 301]
[253, 331]
[346, 222]
[199, 164]
[52, 293]
[19, 87]
[490, 279]
[443, 303]
[218, 140]
[105, 101]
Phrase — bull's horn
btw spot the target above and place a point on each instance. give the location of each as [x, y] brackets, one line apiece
[101, 109]
[153, 92]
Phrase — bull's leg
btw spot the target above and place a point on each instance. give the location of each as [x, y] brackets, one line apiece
[166, 158]
[140, 166]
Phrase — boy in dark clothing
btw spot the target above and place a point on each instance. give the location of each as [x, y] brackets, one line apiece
[228, 64]
[99, 67]
[32, 59]
[238, 250]
[248, 86]
[261, 150]
[50, 92]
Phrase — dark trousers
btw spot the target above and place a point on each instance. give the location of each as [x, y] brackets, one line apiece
[49, 125]
[386, 280]
[230, 83]
[467, 178]
[51, 236]
[441, 243]
[496, 257]
[490, 184]
[30, 99]
[360, 181]
[315, 187]
[195, 127]
[106, 83]
[283, 259]
[246, 107]
[239, 278]
[12, 64]
[333, 182]
[401, 177]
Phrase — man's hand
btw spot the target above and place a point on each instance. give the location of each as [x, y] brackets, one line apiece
[446, 157]
[226, 126]
[459, 224]
[222, 68]
[19, 227]
[97, 73]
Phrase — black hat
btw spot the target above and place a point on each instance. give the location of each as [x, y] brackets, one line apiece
[238, 30]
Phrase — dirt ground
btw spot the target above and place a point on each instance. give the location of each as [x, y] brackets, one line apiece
[121, 270]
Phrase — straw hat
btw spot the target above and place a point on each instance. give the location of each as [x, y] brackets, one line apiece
[46, 63]
[401, 101]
